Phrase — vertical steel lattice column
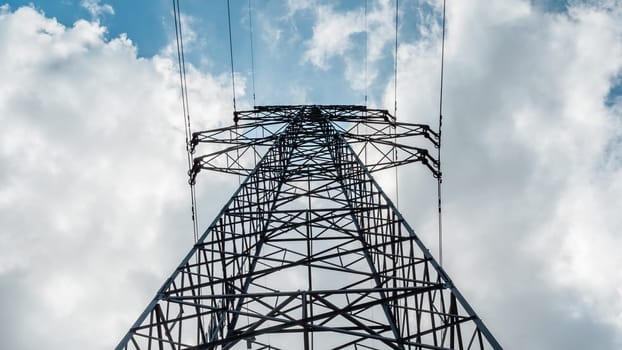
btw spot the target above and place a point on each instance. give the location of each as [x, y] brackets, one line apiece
[309, 253]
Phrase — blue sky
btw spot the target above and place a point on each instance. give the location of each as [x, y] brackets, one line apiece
[93, 189]
[149, 25]
[145, 22]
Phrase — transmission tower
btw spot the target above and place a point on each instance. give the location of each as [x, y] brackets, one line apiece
[309, 252]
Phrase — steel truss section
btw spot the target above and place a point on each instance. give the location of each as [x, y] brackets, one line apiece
[373, 132]
[309, 253]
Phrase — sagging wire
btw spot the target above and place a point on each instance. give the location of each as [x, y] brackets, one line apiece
[231, 54]
[185, 105]
[233, 88]
[397, 192]
[365, 80]
[366, 51]
[250, 20]
[440, 125]
[186, 112]
[366, 130]
[397, 4]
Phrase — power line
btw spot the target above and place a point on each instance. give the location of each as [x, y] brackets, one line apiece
[440, 125]
[366, 51]
[397, 4]
[186, 110]
[250, 19]
[231, 53]
[397, 192]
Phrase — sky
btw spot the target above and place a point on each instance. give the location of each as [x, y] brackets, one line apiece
[94, 202]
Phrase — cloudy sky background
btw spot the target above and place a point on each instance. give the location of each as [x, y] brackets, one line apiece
[94, 207]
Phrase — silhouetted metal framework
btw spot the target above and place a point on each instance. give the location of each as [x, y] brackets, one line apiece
[309, 252]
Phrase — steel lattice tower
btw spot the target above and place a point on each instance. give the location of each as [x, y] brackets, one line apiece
[309, 252]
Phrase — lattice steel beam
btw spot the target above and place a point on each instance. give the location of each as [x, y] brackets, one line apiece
[309, 252]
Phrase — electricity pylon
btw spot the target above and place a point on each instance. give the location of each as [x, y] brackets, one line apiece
[309, 252]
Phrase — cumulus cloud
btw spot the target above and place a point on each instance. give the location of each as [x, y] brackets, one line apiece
[531, 156]
[331, 34]
[93, 187]
[532, 166]
[92, 184]
[96, 9]
[294, 6]
[352, 37]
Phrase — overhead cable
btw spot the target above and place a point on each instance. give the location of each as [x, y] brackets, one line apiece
[186, 110]
[250, 20]
[231, 54]
[440, 125]
[366, 52]
[397, 192]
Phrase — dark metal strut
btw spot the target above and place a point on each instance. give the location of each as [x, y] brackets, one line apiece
[309, 252]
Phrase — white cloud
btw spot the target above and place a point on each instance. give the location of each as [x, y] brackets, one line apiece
[532, 181]
[294, 6]
[96, 9]
[92, 178]
[331, 34]
[531, 156]
[271, 35]
[342, 36]
[191, 40]
[381, 28]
